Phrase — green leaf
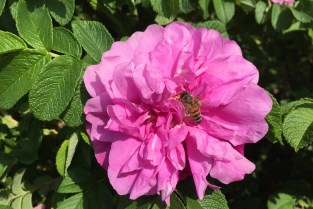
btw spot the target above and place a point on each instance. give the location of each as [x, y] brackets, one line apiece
[34, 25]
[281, 201]
[61, 10]
[161, 20]
[55, 87]
[73, 141]
[5, 162]
[27, 202]
[212, 199]
[93, 36]
[247, 5]
[305, 6]
[168, 8]
[73, 202]
[193, 203]
[74, 116]
[66, 153]
[216, 25]
[19, 72]
[298, 127]
[2, 4]
[204, 5]
[274, 119]
[65, 42]
[17, 203]
[260, 12]
[286, 108]
[5, 207]
[187, 6]
[225, 10]
[17, 186]
[176, 203]
[10, 42]
[301, 16]
[69, 186]
[295, 26]
[144, 202]
[61, 158]
[84, 136]
[215, 201]
[281, 18]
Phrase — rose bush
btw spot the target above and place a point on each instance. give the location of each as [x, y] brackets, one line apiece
[140, 131]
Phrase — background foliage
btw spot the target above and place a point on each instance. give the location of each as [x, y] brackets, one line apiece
[45, 45]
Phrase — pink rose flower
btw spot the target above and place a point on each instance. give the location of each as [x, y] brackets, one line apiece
[140, 117]
[281, 2]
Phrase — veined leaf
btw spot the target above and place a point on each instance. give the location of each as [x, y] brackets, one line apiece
[216, 25]
[286, 108]
[212, 199]
[74, 202]
[225, 10]
[73, 115]
[143, 202]
[298, 127]
[176, 202]
[274, 119]
[161, 20]
[66, 153]
[61, 157]
[62, 10]
[69, 186]
[34, 25]
[10, 42]
[19, 72]
[55, 87]
[215, 201]
[281, 201]
[65, 42]
[93, 36]
[187, 6]
[168, 8]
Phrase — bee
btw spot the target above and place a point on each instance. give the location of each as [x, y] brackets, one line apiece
[192, 106]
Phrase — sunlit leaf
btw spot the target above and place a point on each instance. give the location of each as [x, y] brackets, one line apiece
[66, 42]
[19, 72]
[34, 25]
[93, 36]
[61, 10]
[10, 42]
[55, 87]
[225, 10]
[298, 127]
[281, 201]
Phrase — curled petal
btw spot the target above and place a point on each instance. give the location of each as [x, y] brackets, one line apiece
[235, 125]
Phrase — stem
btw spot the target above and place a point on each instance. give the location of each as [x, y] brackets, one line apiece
[54, 54]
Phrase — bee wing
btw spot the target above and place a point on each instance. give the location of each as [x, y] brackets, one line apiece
[203, 103]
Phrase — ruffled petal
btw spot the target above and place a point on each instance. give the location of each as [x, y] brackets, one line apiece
[243, 119]
[226, 163]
